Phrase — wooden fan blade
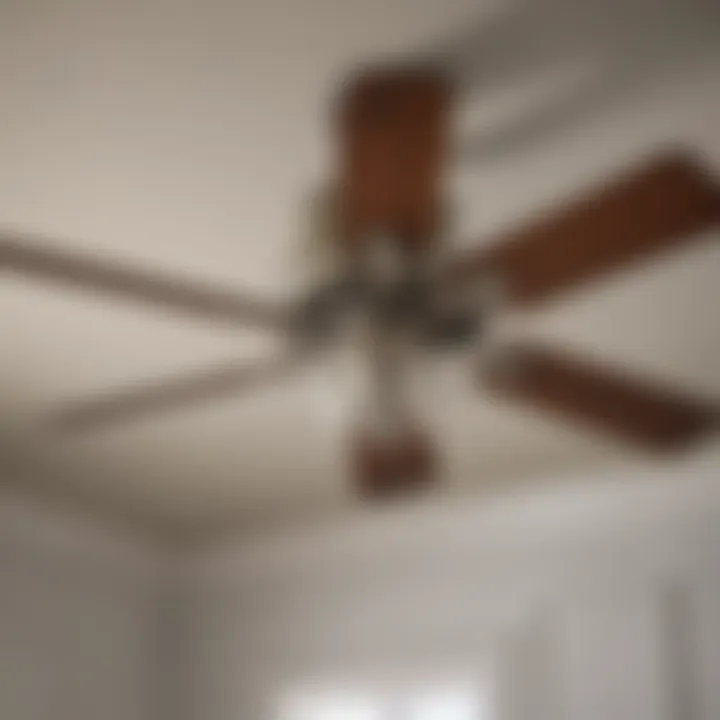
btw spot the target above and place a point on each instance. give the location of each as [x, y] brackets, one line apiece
[393, 467]
[652, 417]
[660, 206]
[138, 403]
[392, 125]
[29, 257]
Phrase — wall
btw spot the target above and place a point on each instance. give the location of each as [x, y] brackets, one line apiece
[79, 611]
[591, 601]
[595, 602]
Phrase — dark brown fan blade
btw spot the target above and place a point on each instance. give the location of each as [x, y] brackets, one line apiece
[650, 416]
[392, 125]
[658, 207]
[163, 397]
[396, 467]
[29, 257]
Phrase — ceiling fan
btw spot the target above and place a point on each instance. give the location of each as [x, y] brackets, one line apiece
[395, 274]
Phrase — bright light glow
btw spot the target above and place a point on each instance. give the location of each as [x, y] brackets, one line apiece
[332, 705]
[445, 704]
[464, 702]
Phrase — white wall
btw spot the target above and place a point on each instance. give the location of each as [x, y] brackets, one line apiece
[79, 611]
[597, 601]
[601, 601]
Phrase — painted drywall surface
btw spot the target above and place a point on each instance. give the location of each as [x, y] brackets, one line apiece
[592, 602]
[584, 604]
[79, 611]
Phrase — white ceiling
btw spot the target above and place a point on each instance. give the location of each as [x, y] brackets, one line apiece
[185, 136]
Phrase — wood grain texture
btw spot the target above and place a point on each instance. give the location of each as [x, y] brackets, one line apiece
[391, 468]
[392, 126]
[659, 206]
[655, 418]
